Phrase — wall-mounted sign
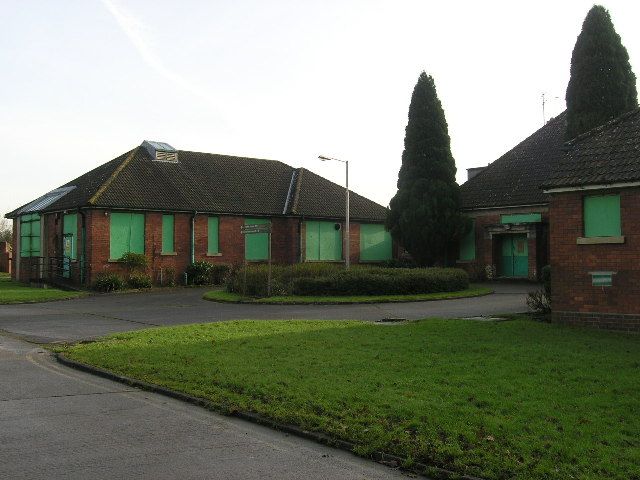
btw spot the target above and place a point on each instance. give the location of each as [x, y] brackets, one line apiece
[602, 279]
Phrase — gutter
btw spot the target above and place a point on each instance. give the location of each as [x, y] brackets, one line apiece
[602, 186]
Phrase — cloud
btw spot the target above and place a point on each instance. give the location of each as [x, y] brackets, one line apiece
[140, 35]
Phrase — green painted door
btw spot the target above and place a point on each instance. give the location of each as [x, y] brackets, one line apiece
[515, 256]
[69, 236]
[256, 245]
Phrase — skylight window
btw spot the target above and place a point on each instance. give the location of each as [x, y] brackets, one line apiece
[161, 151]
[47, 199]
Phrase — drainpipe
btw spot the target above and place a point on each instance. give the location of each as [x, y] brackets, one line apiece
[18, 248]
[193, 237]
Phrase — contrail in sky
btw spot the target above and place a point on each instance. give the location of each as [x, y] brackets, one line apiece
[138, 33]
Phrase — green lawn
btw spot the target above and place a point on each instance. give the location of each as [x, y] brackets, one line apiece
[14, 292]
[500, 400]
[223, 296]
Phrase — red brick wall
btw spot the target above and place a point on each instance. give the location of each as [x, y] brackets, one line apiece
[5, 257]
[571, 263]
[286, 243]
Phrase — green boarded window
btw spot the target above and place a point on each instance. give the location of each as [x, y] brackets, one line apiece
[70, 235]
[167, 233]
[468, 245]
[126, 234]
[375, 243]
[522, 218]
[323, 241]
[213, 245]
[602, 216]
[256, 245]
[30, 235]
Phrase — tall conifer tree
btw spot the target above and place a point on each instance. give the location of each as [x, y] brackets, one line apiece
[424, 214]
[602, 84]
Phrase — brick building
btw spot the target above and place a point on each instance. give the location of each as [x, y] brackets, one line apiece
[595, 227]
[177, 207]
[510, 212]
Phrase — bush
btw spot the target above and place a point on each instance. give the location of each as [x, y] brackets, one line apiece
[205, 273]
[385, 282]
[169, 277]
[108, 282]
[139, 280]
[332, 279]
[283, 277]
[540, 300]
[134, 261]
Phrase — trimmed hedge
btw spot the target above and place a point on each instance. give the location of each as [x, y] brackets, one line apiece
[398, 281]
[332, 279]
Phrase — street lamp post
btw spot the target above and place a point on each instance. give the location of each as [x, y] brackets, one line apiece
[346, 240]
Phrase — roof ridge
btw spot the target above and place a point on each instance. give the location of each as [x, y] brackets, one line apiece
[235, 156]
[296, 194]
[112, 177]
[601, 127]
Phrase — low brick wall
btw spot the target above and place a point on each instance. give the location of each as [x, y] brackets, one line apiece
[604, 321]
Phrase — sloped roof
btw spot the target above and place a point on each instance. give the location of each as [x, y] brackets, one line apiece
[607, 154]
[210, 183]
[515, 178]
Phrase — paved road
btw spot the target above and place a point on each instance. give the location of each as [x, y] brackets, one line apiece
[87, 318]
[58, 423]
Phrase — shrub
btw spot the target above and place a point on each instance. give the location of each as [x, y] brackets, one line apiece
[283, 277]
[169, 277]
[205, 273]
[332, 279]
[139, 280]
[108, 282]
[540, 300]
[385, 282]
[134, 261]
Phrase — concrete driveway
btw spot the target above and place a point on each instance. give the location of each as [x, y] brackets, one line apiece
[87, 318]
[58, 423]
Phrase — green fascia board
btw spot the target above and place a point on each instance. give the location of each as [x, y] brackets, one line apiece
[168, 222]
[30, 226]
[213, 243]
[256, 245]
[468, 245]
[521, 218]
[322, 241]
[126, 234]
[375, 243]
[312, 240]
[602, 216]
[330, 242]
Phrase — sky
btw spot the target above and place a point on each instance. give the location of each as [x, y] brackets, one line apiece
[84, 81]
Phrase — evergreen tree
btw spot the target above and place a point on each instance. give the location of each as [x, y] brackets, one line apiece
[602, 84]
[424, 214]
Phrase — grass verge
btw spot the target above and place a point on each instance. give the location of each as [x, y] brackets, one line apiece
[224, 296]
[516, 399]
[14, 292]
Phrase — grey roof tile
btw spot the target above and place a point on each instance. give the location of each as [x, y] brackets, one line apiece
[607, 154]
[515, 178]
